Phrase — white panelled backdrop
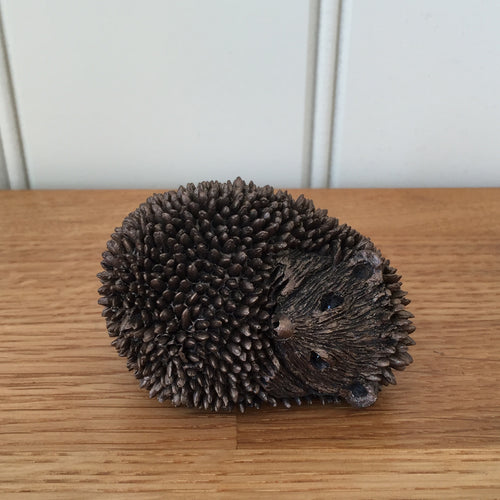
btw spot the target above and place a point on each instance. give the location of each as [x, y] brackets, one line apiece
[296, 93]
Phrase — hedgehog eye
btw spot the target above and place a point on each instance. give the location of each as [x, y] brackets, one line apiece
[317, 361]
[330, 301]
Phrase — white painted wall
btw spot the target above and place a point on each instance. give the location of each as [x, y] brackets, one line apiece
[154, 93]
[342, 93]
[12, 165]
[419, 94]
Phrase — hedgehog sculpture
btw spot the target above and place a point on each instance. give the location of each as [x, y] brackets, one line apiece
[231, 295]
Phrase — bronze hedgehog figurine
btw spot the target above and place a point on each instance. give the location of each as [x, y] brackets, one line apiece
[226, 295]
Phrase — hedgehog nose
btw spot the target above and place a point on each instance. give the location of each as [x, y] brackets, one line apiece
[283, 326]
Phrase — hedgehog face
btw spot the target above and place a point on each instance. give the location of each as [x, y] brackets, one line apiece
[331, 326]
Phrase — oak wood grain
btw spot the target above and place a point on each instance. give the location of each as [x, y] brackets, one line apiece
[74, 424]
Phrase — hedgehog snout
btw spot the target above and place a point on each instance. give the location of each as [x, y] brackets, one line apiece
[283, 326]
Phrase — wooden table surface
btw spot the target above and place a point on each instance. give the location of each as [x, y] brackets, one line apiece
[74, 424]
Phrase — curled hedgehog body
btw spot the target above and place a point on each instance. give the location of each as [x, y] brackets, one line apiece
[226, 295]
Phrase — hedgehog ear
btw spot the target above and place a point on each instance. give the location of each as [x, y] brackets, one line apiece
[279, 280]
[361, 395]
[290, 272]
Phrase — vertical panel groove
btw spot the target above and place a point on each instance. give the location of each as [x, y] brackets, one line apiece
[10, 135]
[324, 92]
[340, 87]
[4, 178]
[312, 46]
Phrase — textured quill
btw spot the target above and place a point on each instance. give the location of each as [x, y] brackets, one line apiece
[224, 295]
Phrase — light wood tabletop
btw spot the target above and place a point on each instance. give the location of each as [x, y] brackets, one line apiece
[74, 423]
